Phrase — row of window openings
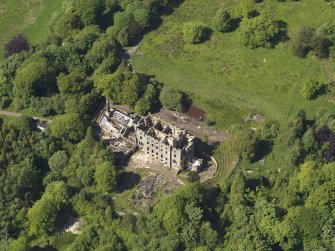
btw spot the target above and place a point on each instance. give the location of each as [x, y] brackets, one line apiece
[148, 150]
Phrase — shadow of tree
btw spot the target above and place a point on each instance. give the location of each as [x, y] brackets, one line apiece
[127, 180]
[282, 34]
[264, 148]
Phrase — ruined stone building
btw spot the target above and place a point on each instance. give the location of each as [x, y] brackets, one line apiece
[162, 141]
[166, 143]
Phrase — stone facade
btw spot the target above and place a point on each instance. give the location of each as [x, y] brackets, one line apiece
[166, 143]
[162, 141]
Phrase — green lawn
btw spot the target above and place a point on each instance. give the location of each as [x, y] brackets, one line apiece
[30, 17]
[229, 80]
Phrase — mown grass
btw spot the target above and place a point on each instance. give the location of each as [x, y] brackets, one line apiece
[227, 161]
[229, 80]
[29, 17]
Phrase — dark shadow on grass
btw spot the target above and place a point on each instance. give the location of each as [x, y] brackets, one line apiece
[264, 148]
[282, 34]
[253, 183]
[234, 24]
[127, 180]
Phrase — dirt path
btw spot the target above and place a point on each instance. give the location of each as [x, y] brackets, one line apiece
[16, 114]
[193, 126]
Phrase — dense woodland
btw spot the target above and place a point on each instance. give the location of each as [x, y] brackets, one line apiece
[50, 176]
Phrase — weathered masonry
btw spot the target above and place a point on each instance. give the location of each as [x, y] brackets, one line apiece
[162, 141]
[166, 143]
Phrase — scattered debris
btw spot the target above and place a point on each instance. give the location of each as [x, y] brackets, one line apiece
[257, 118]
[75, 226]
[151, 184]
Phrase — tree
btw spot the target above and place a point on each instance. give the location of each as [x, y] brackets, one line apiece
[194, 32]
[68, 127]
[17, 44]
[142, 17]
[42, 218]
[259, 32]
[36, 78]
[172, 99]
[304, 41]
[123, 87]
[104, 47]
[311, 88]
[65, 24]
[90, 11]
[73, 84]
[222, 20]
[245, 143]
[105, 177]
[148, 101]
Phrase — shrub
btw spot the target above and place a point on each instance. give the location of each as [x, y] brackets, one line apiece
[222, 20]
[194, 33]
[172, 99]
[311, 88]
[259, 32]
[327, 29]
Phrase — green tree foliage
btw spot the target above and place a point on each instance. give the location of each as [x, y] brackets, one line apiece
[172, 99]
[125, 27]
[34, 78]
[103, 48]
[65, 24]
[73, 84]
[245, 143]
[222, 20]
[148, 102]
[7, 75]
[89, 11]
[259, 32]
[195, 33]
[121, 87]
[105, 177]
[311, 88]
[85, 38]
[68, 127]
[43, 215]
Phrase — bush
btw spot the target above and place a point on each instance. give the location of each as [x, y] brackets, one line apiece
[259, 32]
[270, 129]
[194, 33]
[172, 99]
[311, 88]
[327, 29]
[222, 20]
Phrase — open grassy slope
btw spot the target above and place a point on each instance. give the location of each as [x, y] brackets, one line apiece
[230, 80]
[30, 17]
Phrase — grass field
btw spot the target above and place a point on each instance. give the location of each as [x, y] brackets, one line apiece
[29, 17]
[229, 80]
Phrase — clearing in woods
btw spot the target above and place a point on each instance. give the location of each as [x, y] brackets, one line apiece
[229, 80]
